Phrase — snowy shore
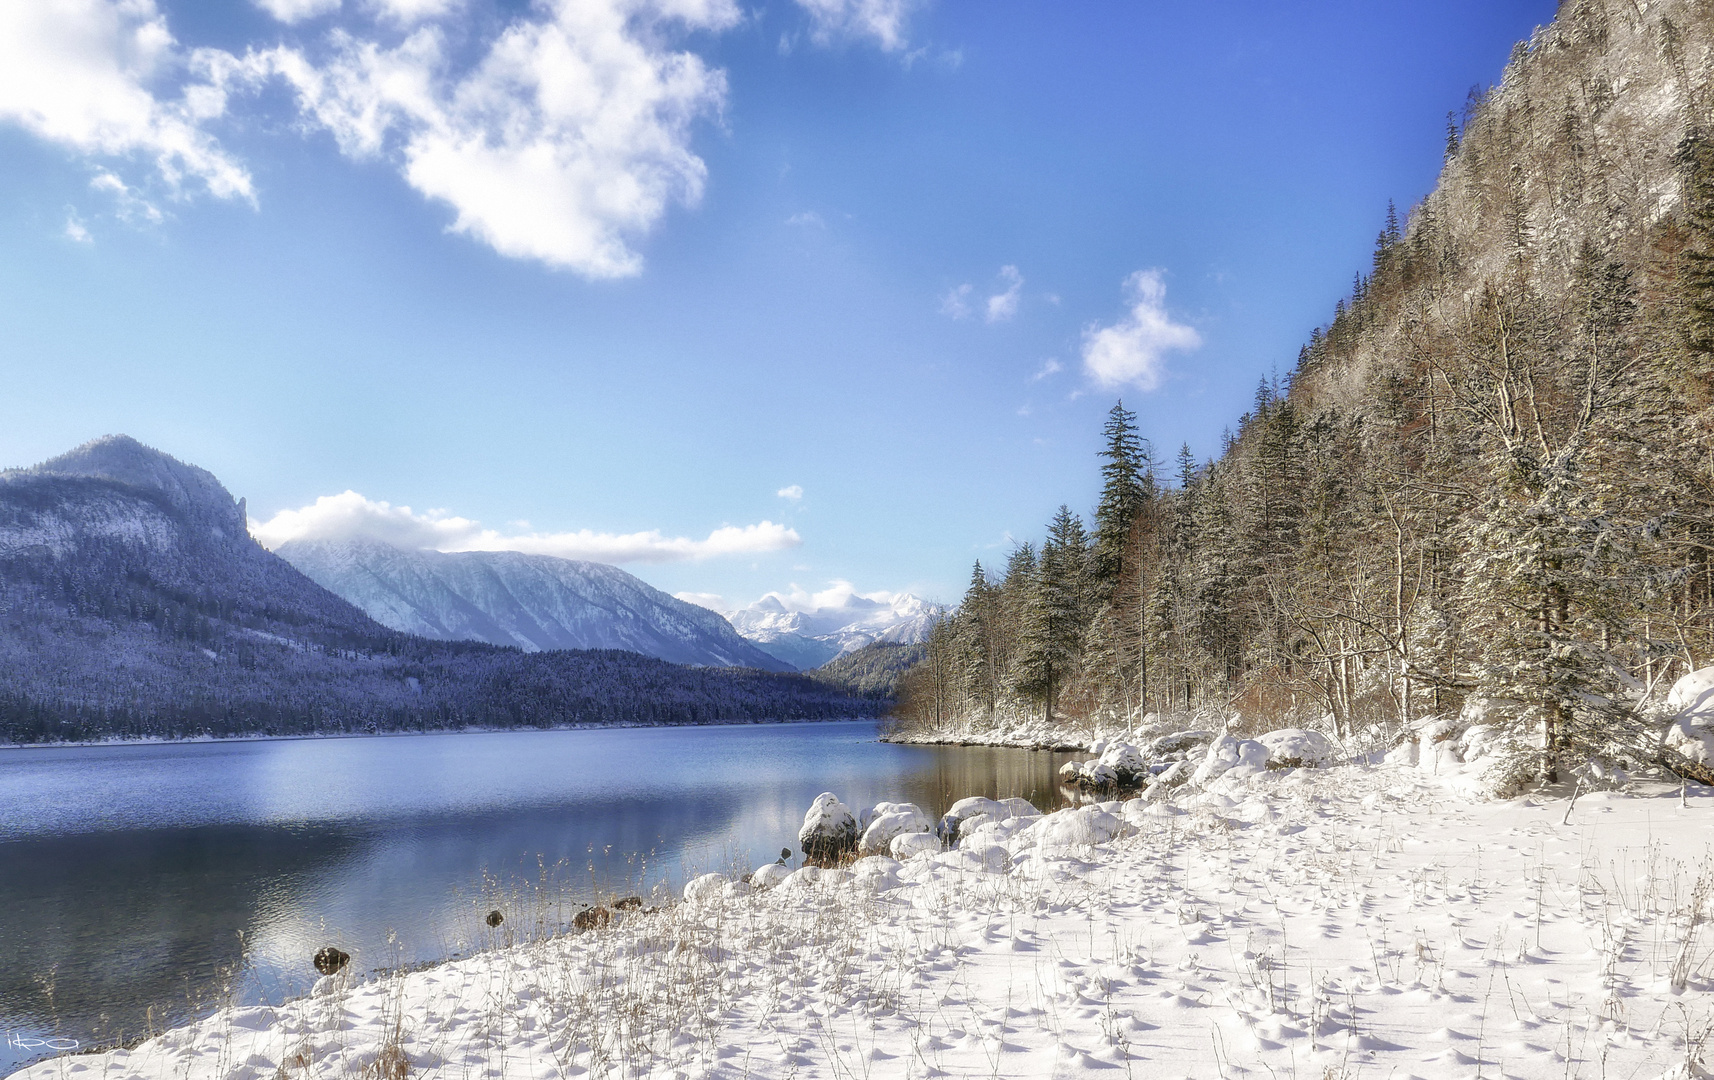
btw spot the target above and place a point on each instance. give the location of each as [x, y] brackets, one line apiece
[1343, 922]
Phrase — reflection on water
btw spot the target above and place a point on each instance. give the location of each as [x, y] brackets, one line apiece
[140, 884]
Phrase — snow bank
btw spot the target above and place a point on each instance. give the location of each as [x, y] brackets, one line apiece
[1325, 922]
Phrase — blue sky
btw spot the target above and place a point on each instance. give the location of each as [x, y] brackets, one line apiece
[748, 295]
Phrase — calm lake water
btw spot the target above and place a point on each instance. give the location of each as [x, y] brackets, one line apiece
[140, 883]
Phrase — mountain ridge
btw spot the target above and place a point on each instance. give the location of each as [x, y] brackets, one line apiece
[130, 606]
[535, 602]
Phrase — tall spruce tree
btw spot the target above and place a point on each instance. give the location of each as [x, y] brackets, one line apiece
[1127, 489]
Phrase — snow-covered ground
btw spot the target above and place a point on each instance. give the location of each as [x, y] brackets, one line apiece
[1359, 921]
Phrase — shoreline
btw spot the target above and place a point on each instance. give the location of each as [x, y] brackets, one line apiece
[1317, 920]
[152, 740]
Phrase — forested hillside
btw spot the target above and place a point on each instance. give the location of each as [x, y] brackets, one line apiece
[1487, 482]
[133, 602]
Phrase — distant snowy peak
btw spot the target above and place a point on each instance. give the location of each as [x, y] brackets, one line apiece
[535, 602]
[811, 637]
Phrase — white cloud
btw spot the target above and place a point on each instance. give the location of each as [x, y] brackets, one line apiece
[838, 594]
[1003, 305]
[794, 492]
[1132, 350]
[75, 231]
[410, 12]
[956, 302]
[83, 74]
[711, 601]
[130, 206]
[291, 11]
[565, 139]
[568, 140]
[883, 21]
[349, 516]
[807, 219]
[1050, 366]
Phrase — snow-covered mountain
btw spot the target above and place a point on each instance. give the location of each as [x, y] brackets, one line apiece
[810, 637]
[536, 602]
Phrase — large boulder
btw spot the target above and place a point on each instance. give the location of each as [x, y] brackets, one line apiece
[766, 877]
[1693, 696]
[1177, 745]
[889, 820]
[1229, 756]
[705, 888]
[829, 830]
[907, 845]
[965, 809]
[1084, 826]
[1298, 748]
[1127, 761]
[1690, 703]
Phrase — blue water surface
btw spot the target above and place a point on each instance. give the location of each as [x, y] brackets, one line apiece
[141, 884]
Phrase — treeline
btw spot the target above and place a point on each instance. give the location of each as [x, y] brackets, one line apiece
[124, 614]
[1489, 480]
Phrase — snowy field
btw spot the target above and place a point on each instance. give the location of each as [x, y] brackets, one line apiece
[1360, 921]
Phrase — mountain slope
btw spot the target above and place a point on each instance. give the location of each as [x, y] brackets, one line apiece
[1485, 496]
[811, 637]
[535, 602]
[133, 602]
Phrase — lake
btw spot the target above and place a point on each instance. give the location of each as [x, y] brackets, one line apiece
[140, 884]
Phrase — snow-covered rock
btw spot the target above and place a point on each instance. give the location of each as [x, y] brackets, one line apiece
[907, 845]
[705, 888]
[1084, 826]
[965, 809]
[889, 820]
[1016, 807]
[1178, 744]
[875, 874]
[1297, 748]
[767, 877]
[829, 829]
[1693, 695]
[1690, 703]
[1230, 758]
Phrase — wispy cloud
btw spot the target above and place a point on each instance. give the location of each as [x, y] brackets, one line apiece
[794, 492]
[1050, 366]
[1004, 304]
[349, 515]
[806, 219]
[293, 11]
[711, 601]
[880, 21]
[1132, 350]
[130, 206]
[75, 230]
[956, 302]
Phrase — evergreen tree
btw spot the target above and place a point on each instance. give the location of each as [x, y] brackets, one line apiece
[1127, 489]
